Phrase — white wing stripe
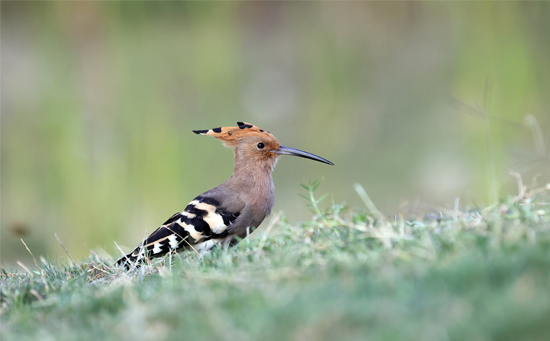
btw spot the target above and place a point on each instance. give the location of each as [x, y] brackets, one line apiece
[213, 219]
[188, 215]
[192, 232]
[216, 222]
[157, 248]
[173, 241]
[207, 245]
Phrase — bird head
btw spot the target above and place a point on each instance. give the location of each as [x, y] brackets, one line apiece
[252, 143]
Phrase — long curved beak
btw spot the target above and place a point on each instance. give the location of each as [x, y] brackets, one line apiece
[296, 152]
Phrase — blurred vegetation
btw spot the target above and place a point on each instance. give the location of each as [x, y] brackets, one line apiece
[345, 274]
[420, 102]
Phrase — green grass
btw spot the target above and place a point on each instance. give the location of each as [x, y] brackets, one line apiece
[346, 274]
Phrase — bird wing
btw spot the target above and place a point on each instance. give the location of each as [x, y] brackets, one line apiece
[204, 219]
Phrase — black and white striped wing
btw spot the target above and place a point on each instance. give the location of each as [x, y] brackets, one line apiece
[203, 220]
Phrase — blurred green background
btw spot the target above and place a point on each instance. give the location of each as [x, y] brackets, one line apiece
[420, 102]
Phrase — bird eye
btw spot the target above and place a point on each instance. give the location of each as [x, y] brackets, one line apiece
[261, 145]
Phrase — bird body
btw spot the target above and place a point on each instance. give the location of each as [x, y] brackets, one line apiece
[231, 211]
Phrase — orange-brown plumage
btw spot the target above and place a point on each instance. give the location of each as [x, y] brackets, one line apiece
[234, 208]
[244, 136]
[232, 136]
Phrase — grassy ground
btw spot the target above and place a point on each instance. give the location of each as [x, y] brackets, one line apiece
[346, 274]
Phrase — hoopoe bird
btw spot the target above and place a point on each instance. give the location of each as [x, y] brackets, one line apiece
[231, 211]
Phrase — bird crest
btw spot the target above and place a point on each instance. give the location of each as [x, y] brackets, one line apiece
[231, 136]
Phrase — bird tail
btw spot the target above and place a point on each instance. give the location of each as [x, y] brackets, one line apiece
[132, 259]
[127, 261]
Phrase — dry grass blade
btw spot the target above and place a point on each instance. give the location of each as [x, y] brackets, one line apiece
[36, 294]
[272, 223]
[64, 248]
[367, 201]
[34, 259]
[521, 188]
[25, 268]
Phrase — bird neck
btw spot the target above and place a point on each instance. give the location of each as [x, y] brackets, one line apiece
[254, 176]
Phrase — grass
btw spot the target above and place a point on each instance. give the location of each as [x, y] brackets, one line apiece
[346, 274]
